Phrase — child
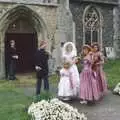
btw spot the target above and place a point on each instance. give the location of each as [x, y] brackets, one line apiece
[65, 85]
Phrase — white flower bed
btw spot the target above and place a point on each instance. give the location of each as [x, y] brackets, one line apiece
[117, 89]
[54, 110]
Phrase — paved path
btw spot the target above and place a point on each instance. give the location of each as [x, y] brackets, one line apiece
[30, 91]
[107, 109]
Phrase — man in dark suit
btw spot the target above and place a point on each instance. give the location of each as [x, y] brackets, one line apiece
[41, 66]
[12, 57]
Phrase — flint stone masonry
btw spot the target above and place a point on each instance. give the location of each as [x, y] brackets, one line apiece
[113, 2]
[78, 8]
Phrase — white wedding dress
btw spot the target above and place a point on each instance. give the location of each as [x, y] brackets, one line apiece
[74, 71]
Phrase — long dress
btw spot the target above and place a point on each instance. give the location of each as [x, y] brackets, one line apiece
[100, 75]
[65, 85]
[75, 74]
[88, 86]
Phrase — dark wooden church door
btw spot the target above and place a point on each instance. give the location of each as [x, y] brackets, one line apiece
[26, 45]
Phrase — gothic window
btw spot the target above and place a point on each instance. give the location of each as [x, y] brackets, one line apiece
[91, 26]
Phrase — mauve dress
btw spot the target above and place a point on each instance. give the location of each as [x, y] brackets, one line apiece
[100, 75]
[88, 85]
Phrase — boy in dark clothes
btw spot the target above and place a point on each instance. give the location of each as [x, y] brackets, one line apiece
[41, 66]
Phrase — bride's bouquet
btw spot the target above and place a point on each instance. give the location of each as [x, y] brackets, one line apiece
[77, 59]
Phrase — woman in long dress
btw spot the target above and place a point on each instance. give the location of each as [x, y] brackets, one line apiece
[98, 59]
[69, 54]
[88, 84]
[65, 86]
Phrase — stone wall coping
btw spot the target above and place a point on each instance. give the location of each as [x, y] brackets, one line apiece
[29, 2]
[110, 2]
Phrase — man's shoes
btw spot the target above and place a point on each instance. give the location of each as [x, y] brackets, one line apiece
[16, 78]
[13, 78]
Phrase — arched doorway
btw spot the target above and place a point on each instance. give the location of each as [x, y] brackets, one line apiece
[32, 24]
[25, 37]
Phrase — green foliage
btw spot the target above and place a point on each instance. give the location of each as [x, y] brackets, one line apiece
[54, 79]
[43, 96]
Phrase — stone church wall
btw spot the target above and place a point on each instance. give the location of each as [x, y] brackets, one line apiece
[116, 14]
[77, 9]
[113, 2]
[64, 30]
[46, 14]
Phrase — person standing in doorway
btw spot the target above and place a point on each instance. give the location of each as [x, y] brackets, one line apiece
[41, 67]
[12, 57]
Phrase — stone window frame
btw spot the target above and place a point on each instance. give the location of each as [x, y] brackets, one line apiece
[100, 29]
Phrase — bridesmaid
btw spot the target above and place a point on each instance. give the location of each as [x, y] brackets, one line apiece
[88, 85]
[65, 86]
[98, 60]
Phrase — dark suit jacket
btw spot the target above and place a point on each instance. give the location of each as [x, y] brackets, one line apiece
[41, 60]
[10, 52]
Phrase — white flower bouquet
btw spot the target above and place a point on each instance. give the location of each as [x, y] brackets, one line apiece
[54, 110]
[117, 89]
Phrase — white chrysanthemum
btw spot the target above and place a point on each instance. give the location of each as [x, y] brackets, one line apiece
[117, 89]
[55, 109]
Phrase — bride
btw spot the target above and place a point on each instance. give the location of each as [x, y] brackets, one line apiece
[69, 54]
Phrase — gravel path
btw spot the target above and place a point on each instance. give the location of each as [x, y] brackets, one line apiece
[107, 109]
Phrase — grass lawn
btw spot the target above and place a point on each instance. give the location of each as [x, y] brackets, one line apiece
[112, 69]
[13, 100]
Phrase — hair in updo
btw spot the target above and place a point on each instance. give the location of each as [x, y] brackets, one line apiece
[95, 44]
[87, 47]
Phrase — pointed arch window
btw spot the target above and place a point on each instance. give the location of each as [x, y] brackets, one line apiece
[92, 30]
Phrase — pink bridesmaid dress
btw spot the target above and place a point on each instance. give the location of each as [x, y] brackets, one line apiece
[100, 75]
[88, 84]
